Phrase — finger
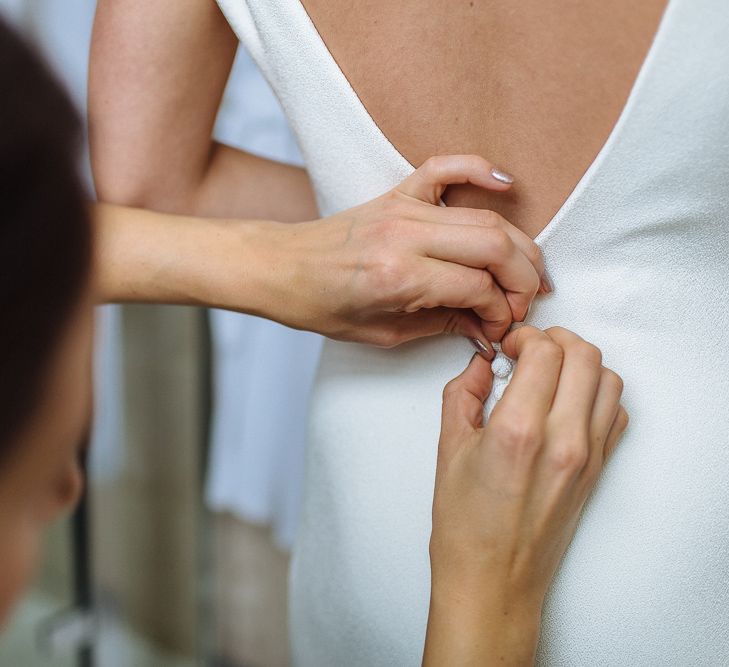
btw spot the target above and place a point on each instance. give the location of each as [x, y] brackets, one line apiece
[533, 385]
[456, 286]
[616, 431]
[578, 381]
[436, 321]
[429, 181]
[463, 399]
[456, 215]
[604, 411]
[490, 249]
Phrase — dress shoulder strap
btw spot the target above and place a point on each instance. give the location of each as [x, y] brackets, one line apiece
[238, 15]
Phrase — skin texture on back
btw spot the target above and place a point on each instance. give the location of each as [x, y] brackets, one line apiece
[536, 87]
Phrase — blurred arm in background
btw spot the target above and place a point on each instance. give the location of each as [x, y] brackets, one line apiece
[157, 75]
[156, 79]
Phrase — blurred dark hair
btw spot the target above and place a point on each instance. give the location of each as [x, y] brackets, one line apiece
[45, 233]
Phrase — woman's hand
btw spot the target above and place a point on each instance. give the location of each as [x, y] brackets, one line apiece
[402, 267]
[508, 495]
[396, 268]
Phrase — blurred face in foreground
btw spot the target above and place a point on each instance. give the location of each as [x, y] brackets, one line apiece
[46, 309]
[40, 477]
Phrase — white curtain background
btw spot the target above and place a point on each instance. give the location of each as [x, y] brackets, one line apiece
[262, 371]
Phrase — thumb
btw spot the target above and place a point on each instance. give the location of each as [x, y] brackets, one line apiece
[429, 181]
[463, 399]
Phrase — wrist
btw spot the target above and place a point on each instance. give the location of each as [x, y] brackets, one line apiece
[143, 256]
[481, 624]
[241, 267]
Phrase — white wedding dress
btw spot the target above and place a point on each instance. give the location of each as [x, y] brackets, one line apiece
[639, 254]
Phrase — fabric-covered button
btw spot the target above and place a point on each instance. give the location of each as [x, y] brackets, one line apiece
[501, 366]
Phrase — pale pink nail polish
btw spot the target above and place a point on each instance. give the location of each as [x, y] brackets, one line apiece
[502, 176]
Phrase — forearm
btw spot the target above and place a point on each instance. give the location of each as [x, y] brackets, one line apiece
[480, 630]
[148, 257]
[236, 184]
[156, 78]
[231, 184]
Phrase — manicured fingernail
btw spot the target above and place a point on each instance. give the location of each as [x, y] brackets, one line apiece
[487, 352]
[502, 176]
[546, 282]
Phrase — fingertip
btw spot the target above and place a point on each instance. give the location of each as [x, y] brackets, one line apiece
[484, 174]
[520, 305]
[511, 342]
[495, 331]
[508, 346]
[545, 283]
[502, 178]
[470, 326]
[483, 349]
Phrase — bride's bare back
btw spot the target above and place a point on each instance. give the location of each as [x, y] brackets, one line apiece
[535, 86]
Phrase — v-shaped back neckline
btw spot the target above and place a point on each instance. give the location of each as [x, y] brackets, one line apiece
[589, 174]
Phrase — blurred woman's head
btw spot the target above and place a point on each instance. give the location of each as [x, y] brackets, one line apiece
[45, 309]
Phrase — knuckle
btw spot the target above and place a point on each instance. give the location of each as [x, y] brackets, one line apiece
[391, 197]
[471, 162]
[522, 338]
[425, 167]
[588, 353]
[393, 225]
[381, 229]
[613, 381]
[499, 323]
[622, 418]
[548, 350]
[394, 208]
[591, 354]
[486, 282]
[575, 345]
[557, 332]
[388, 279]
[491, 219]
[432, 167]
[499, 242]
[529, 332]
[519, 435]
[534, 253]
[389, 272]
[570, 457]
[452, 389]
[387, 339]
